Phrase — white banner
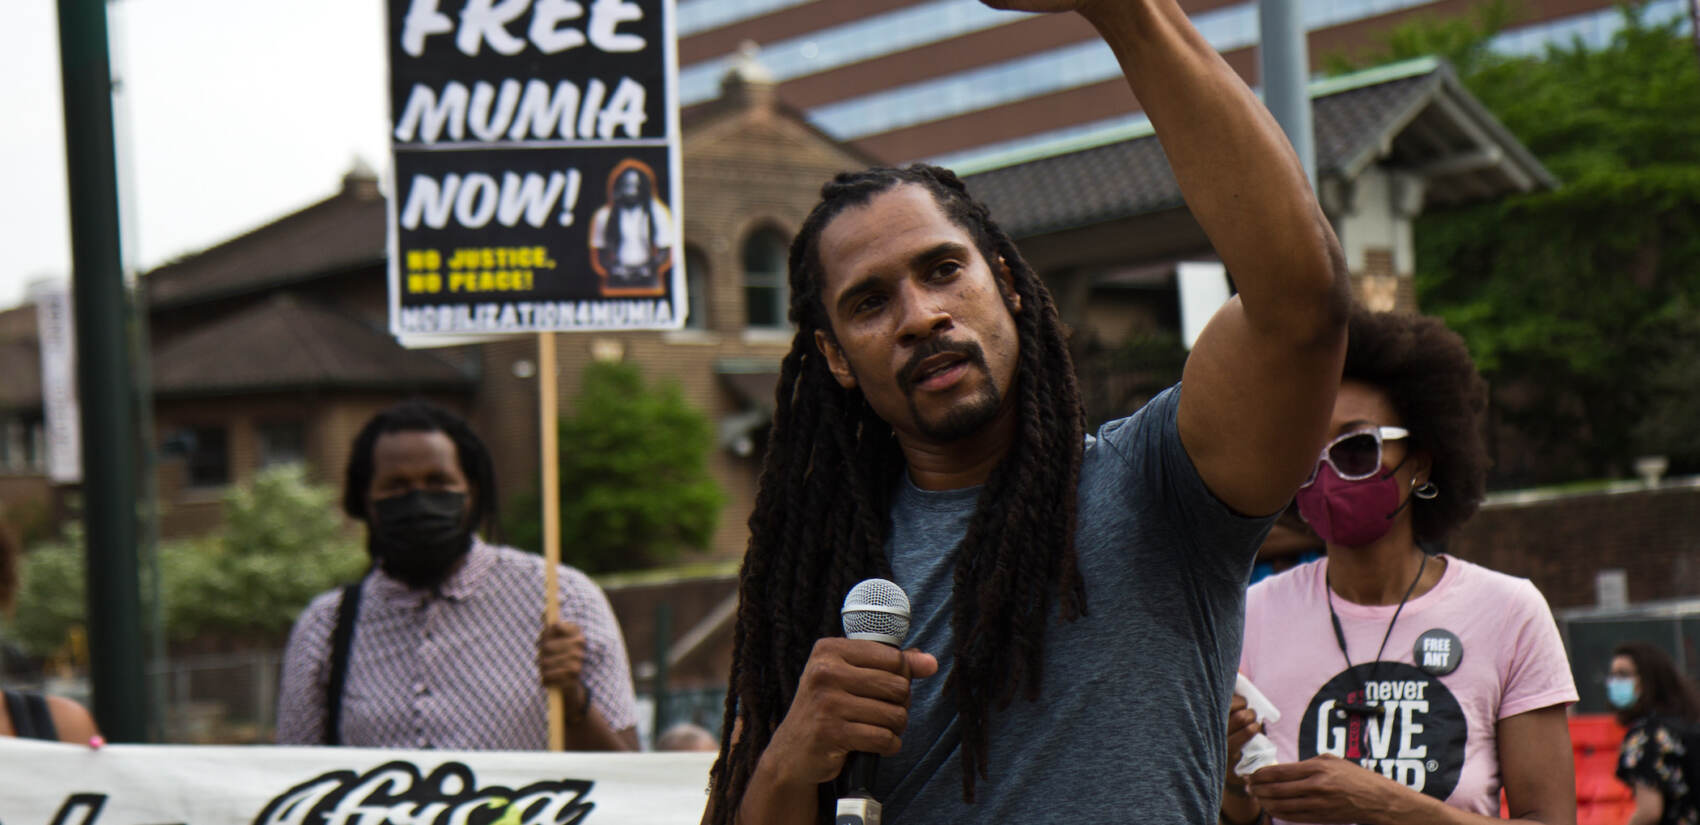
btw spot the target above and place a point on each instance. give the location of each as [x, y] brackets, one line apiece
[45, 783]
[57, 334]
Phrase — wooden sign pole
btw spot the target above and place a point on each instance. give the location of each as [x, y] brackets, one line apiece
[548, 429]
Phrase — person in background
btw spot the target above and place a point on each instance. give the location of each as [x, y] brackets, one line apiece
[27, 714]
[1412, 685]
[687, 736]
[1658, 759]
[434, 647]
[1289, 544]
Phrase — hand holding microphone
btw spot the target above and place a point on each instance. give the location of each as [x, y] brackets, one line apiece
[875, 610]
[853, 697]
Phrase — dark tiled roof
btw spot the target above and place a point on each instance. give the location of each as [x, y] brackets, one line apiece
[1132, 177]
[1414, 115]
[333, 235]
[1085, 187]
[20, 375]
[286, 343]
[1351, 123]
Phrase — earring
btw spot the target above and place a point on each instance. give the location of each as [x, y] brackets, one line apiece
[1425, 491]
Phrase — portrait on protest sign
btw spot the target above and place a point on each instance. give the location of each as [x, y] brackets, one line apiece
[632, 234]
[524, 134]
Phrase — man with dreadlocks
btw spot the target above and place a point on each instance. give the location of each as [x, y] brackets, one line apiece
[1077, 599]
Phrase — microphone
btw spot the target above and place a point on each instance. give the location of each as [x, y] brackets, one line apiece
[875, 610]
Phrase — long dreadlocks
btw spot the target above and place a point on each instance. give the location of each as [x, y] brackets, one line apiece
[823, 508]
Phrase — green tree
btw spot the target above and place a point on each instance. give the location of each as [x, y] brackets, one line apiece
[1580, 304]
[283, 542]
[50, 594]
[635, 486]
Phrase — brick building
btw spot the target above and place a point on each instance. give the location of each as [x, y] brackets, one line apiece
[26, 500]
[952, 80]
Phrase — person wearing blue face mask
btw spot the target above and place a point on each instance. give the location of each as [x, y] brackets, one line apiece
[438, 645]
[1660, 757]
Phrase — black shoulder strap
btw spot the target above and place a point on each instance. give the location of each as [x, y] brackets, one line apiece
[342, 640]
[31, 718]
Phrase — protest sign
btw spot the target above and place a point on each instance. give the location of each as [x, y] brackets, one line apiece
[536, 158]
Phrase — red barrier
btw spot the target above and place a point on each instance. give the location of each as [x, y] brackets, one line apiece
[1601, 799]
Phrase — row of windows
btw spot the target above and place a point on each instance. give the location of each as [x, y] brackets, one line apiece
[1228, 28]
[850, 43]
[694, 16]
[23, 444]
[205, 450]
[1059, 69]
[1067, 67]
[1594, 30]
[1024, 77]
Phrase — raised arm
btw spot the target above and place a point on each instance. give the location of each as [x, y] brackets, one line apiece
[1260, 384]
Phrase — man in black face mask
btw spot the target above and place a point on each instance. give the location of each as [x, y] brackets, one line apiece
[434, 647]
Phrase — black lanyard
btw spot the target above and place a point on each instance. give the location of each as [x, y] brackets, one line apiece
[1340, 635]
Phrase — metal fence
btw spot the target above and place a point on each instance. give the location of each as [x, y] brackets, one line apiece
[702, 706]
[226, 698]
[231, 699]
[1590, 634]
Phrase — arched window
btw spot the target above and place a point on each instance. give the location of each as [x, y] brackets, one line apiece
[696, 288]
[765, 292]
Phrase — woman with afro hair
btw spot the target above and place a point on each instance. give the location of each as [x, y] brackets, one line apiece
[1412, 686]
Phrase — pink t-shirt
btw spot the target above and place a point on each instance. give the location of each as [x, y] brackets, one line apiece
[1431, 728]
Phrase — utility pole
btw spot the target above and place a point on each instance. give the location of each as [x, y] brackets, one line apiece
[100, 302]
[1284, 70]
[1694, 23]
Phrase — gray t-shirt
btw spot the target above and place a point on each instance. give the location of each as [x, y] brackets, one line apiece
[1131, 721]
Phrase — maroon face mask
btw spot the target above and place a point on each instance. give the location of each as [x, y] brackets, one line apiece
[1349, 513]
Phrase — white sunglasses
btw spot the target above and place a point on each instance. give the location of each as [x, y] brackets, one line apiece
[1356, 455]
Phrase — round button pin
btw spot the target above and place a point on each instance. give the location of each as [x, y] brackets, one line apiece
[1438, 652]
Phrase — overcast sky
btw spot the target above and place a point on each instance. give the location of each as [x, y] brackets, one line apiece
[237, 112]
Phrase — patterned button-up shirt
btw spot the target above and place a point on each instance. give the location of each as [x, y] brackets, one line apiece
[456, 669]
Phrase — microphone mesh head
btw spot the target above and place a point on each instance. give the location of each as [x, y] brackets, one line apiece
[878, 610]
